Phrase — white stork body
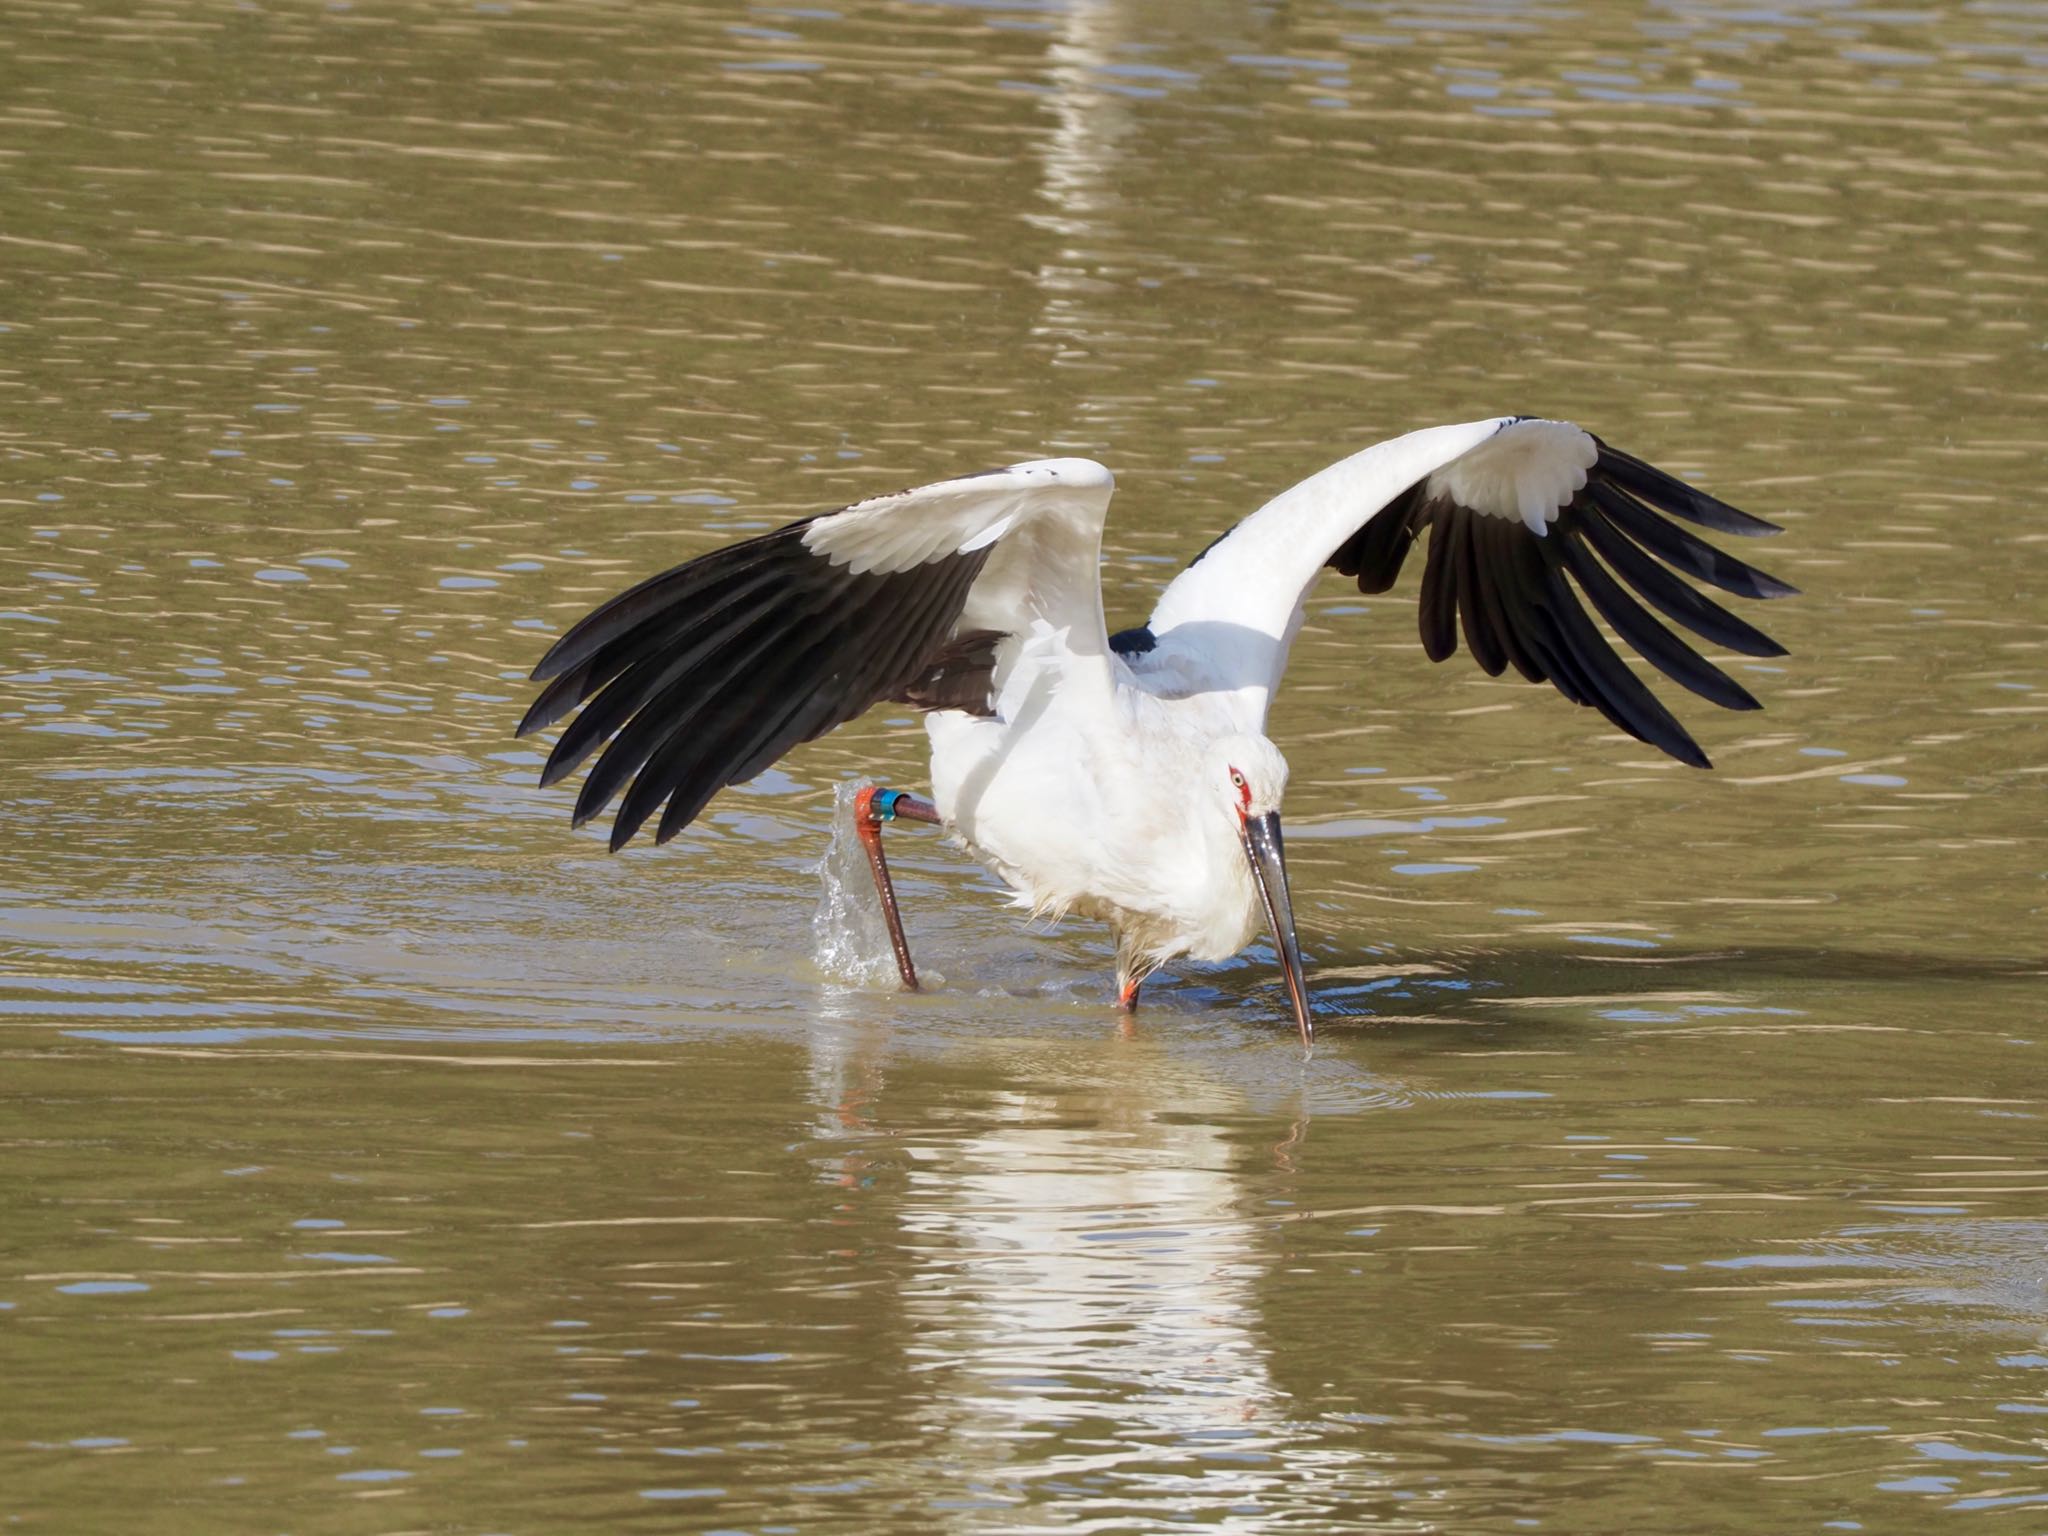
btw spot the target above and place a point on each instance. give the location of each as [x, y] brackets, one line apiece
[1096, 799]
[1127, 777]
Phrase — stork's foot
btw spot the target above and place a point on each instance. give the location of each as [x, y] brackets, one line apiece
[871, 808]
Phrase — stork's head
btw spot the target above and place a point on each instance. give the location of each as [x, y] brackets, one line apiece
[1252, 774]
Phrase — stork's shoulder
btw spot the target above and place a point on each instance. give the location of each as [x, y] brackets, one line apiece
[904, 529]
[1082, 474]
[1526, 469]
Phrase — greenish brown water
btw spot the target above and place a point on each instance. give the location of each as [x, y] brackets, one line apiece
[380, 1156]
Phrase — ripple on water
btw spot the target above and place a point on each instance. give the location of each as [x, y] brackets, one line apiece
[1706, 1084]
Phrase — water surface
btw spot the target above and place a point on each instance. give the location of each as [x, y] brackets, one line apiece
[383, 1156]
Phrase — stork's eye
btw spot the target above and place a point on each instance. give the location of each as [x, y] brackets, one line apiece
[1237, 778]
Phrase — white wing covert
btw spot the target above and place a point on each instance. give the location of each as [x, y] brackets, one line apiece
[1513, 506]
[704, 675]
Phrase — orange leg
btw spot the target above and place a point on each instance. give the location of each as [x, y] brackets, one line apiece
[1132, 967]
[871, 808]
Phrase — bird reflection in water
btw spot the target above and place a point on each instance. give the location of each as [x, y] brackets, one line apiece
[1083, 1259]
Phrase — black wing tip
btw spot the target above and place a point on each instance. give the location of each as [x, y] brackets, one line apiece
[535, 718]
[1680, 747]
[558, 768]
[1675, 546]
[554, 661]
[1674, 741]
[627, 824]
[623, 831]
[1669, 494]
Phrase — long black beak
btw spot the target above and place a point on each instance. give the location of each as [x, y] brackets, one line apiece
[1269, 871]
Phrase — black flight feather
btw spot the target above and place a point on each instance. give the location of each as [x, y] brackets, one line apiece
[1506, 588]
[1673, 495]
[1681, 550]
[705, 674]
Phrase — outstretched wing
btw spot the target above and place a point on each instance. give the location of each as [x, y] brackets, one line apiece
[1529, 522]
[706, 674]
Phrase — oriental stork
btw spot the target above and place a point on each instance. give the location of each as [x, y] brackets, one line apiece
[1128, 777]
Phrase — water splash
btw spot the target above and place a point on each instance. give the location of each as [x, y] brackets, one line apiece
[849, 932]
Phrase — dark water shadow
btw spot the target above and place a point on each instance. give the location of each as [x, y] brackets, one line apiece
[1499, 987]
